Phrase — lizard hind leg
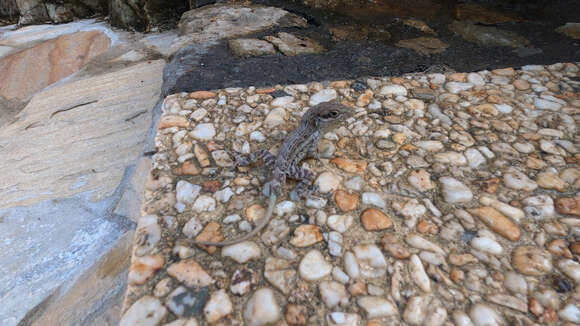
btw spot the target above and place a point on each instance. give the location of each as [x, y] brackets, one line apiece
[304, 188]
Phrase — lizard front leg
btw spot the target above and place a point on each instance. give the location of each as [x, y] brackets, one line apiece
[304, 188]
[264, 154]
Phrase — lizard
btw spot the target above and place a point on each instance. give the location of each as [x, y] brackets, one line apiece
[299, 144]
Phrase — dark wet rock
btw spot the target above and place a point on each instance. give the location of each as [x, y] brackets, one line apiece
[561, 284]
[524, 52]
[476, 13]
[184, 302]
[291, 45]
[279, 93]
[251, 47]
[424, 45]
[571, 30]
[359, 85]
[488, 36]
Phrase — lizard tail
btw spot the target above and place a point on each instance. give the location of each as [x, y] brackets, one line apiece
[259, 226]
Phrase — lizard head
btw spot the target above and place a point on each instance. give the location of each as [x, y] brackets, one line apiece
[329, 115]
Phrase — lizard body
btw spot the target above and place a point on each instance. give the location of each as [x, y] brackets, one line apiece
[300, 143]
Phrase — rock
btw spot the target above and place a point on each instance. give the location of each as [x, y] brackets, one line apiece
[322, 96]
[371, 261]
[168, 121]
[327, 182]
[243, 279]
[147, 235]
[275, 118]
[571, 312]
[474, 157]
[340, 223]
[291, 45]
[373, 198]
[424, 45]
[333, 293]
[144, 268]
[550, 180]
[571, 269]
[377, 307]
[262, 308]
[280, 273]
[429, 145]
[570, 29]
[395, 247]
[375, 220]
[519, 181]
[346, 201]
[203, 131]
[455, 191]
[306, 235]
[521, 84]
[395, 90]
[418, 274]
[223, 21]
[497, 222]
[421, 180]
[487, 36]
[204, 203]
[242, 252]
[251, 47]
[190, 273]
[296, 314]
[186, 192]
[531, 260]
[456, 87]
[508, 301]
[350, 165]
[475, 79]
[543, 104]
[515, 283]
[451, 158]
[559, 247]
[184, 302]
[568, 205]
[483, 315]
[21, 77]
[218, 306]
[202, 95]
[342, 319]
[487, 245]
[313, 266]
[147, 311]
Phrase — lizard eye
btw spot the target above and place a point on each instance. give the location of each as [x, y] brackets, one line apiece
[331, 114]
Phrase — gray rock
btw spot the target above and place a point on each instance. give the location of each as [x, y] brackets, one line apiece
[291, 45]
[251, 47]
[487, 36]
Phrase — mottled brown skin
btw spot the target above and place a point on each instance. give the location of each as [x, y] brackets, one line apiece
[300, 143]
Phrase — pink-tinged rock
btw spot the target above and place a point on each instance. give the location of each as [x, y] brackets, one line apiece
[190, 273]
[143, 268]
[497, 222]
[24, 73]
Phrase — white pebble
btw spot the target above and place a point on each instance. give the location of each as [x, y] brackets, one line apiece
[340, 223]
[571, 269]
[515, 283]
[262, 308]
[475, 79]
[316, 202]
[186, 192]
[570, 313]
[282, 101]
[474, 157]
[218, 306]
[333, 293]
[460, 318]
[430, 145]
[198, 114]
[192, 228]
[483, 315]
[487, 245]
[370, 260]
[455, 191]
[203, 131]
[543, 104]
[504, 108]
[275, 118]
[339, 275]
[242, 252]
[327, 182]
[324, 95]
[147, 311]
[540, 207]
[418, 242]
[417, 272]
[257, 136]
[313, 266]
[204, 203]
[351, 266]
[519, 181]
[224, 195]
[396, 90]
[377, 307]
[355, 183]
[373, 198]
[456, 87]
[285, 207]
[342, 319]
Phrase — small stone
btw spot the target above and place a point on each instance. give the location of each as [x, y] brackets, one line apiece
[570, 313]
[421, 180]
[202, 95]
[184, 302]
[275, 118]
[333, 293]
[395, 247]
[242, 281]
[515, 283]
[190, 273]
[203, 131]
[377, 307]
[204, 203]
[539, 207]
[455, 191]
[327, 182]
[186, 192]
[451, 158]
[222, 158]
[144, 268]
[280, 273]
[242, 252]
[531, 260]
[262, 308]
[255, 213]
[346, 201]
[417, 272]
[373, 198]
[487, 245]
[475, 79]
[395, 90]
[549, 180]
[342, 319]
[324, 95]
[508, 301]
[147, 311]
[313, 266]
[218, 306]
[187, 168]
[521, 84]
[306, 235]
[251, 47]
[483, 315]
[169, 121]
[571, 269]
[559, 247]
[543, 104]
[568, 205]
[429, 145]
[371, 261]
[350, 165]
[474, 157]
[147, 235]
[340, 223]
[519, 181]
[456, 87]
[497, 222]
[375, 220]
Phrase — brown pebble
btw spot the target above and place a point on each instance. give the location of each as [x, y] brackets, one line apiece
[350, 165]
[535, 307]
[531, 260]
[306, 235]
[358, 288]
[255, 212]
[535, 163]
[458, 77]
[575, 247]
[211, 186]
[211, 232]
[461, 259]
[296, 314]
[339, 84]
[457, 275]
[374, 220]
[490, 185]
[497, 222]
[265, 90]
[427, 227]
[144, 268]
[506, 72]
[550, 317]
[201, 155]
[202, 95]
[521, 84]
[190, 273]
[568, 205]
[169, 121]
[395, 247]
[346, 201]
[559, 247]
[187, 168]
